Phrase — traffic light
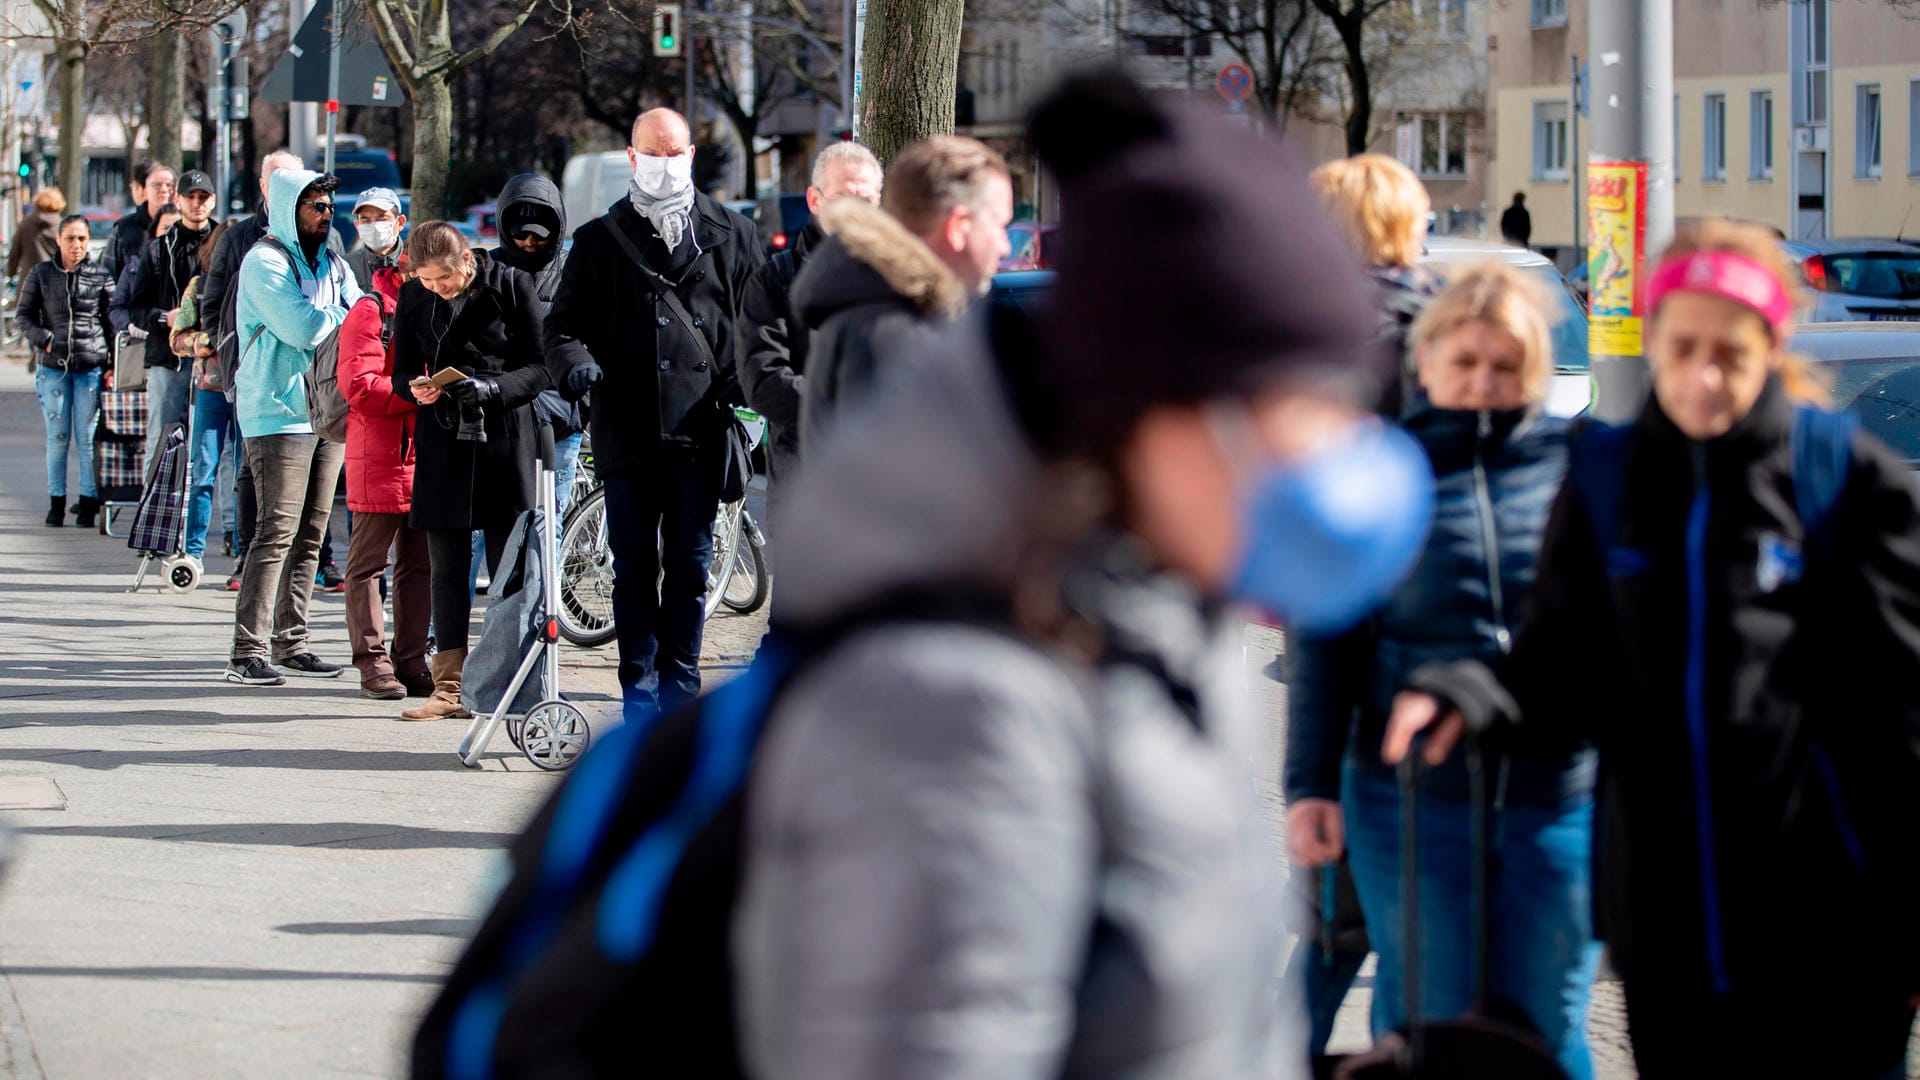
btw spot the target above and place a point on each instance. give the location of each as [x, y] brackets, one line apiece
[26, 170]
[666, 30]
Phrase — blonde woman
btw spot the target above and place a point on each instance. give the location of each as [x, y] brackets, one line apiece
[1483, 358]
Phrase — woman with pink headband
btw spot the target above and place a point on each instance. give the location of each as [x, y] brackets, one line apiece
[1728, 606]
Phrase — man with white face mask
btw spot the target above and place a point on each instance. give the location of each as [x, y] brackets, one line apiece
[644, 319]
[381, 226]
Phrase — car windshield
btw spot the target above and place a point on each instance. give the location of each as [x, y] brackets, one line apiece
[1570, 329]
[1885, 394]
[100, 228]
[1882, 276]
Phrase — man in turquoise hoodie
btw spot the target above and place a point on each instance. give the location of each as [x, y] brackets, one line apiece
[293, 294]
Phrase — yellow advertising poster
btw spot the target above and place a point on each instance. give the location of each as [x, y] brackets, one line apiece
[1617, 256]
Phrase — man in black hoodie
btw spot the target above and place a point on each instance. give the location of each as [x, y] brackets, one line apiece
[532, 221]
[886, 280]
[171, 261]
[772, 343]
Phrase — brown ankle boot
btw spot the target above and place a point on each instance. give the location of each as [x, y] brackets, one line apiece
[444, 704]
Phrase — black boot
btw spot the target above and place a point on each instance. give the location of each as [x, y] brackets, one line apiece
[57, 516]
[83, 512]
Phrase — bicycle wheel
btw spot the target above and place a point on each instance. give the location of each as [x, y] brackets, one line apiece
[747, 589]
[726, 543]
[586, 574]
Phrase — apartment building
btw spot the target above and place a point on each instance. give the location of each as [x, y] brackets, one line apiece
[1803, 115]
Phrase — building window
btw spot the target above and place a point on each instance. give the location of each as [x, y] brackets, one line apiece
[1913, 128]
[1443, 18]
[1760, 135]
[1713, 164]
[1435, 144]
[1866, 130]
[1816, 89]
[1550, 140]
[1548, 13]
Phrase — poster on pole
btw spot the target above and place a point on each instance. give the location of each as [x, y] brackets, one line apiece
[1616, 256]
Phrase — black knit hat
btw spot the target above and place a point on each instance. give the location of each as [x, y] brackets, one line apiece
[1198, 263]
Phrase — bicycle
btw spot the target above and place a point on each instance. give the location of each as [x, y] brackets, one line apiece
[10, 334]
[737, 576]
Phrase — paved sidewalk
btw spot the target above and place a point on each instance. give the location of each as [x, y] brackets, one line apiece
[238, 882]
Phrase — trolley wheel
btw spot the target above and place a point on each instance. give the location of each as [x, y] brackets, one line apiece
[554, 735]
[182, 576]
[514, 724]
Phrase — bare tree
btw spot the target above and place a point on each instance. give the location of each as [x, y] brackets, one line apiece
[1284, 43]
[417, 36]
[1356, 24]
[910, 64]
[120, 91]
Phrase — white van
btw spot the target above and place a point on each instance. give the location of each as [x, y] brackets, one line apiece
[591, 183]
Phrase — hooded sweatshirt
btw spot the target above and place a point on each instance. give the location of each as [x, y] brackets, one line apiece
[532, 197]
[292, 305]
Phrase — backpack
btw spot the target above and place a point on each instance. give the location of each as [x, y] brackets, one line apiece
[326, 405]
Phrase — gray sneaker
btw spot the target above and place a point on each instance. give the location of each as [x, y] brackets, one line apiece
[310, 666]
[254, 671]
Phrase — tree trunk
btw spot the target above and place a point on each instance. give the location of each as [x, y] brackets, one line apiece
[169, 99]
[1360, 117]
[432, 142]
[73, 116]
[909, 71]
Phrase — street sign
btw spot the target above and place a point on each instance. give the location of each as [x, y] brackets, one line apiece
[365, 78]
[1236, 82]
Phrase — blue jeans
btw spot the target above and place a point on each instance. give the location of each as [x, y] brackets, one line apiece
[660, 529]
[1541, 954]
[566, 461]
[213, 435]
[70, 402]
[167, 392]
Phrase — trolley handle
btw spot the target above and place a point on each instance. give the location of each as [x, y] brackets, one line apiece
[546, 446]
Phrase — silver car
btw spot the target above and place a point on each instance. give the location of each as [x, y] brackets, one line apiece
[1859, 280]
[1875, 372]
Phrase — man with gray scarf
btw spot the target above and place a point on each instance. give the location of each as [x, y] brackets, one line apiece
[644, 320]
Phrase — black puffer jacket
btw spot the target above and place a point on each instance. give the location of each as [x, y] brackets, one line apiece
[170, 262]
[659, 389]
[773, 347]
[1759, 746]
[492, 329]
[874, 298]
[131, 235]
[63, 314]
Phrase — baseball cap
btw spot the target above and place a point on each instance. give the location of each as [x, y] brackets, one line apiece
[533, 227]
[379, 196]
[194, 180]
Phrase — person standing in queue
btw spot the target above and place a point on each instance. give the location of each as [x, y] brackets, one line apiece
[37, 237]
[645, 313]
[1728, 605]
[533, 220]
[382, 230]
[171, 262]
[63, 316]
[135, 228]
[475, 450]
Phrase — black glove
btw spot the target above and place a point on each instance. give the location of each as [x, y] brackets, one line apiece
[475, 390]
[582, 379]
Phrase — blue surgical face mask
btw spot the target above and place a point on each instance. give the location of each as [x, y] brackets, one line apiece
[1326, 539]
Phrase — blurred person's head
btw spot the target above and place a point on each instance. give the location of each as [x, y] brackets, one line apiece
[1214, 360]
[844, 169]
[1379, 204]
[137, 180]
[50, 201]
[273, 163]
[1519, 198]
[72, 236]
[1720, 302]
[159, 188]
[1484, 343]
[439, 259]
[164, 218]
[956, 196]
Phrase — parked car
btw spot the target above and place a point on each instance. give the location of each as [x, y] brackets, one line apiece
[99, 227]
[1876, 376]
[359, 167]
[781, 218]
[1032, 246]
[484, 218]
[1572, 390]
[1025, 289]
[1859, 280]
[593, 182]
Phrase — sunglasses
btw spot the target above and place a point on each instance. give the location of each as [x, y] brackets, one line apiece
[321, 207]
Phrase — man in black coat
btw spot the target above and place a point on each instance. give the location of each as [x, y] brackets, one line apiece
[645, 313]
[772, 343]
[1516, 225]
[172, 260]
[135, 228]
[888, 279]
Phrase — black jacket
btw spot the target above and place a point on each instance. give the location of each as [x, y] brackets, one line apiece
[1516, 225]
[492, 329]
[363, 261]
[130, 236]
[874, 298]
[170, 262]
[772, 348]
[1714, 701]
[63, 314]
[659, 388]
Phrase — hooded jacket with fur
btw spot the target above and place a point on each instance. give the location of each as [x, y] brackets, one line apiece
[874, 297]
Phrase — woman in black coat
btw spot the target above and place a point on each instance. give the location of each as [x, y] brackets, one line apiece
[63, 314]
[475, 454]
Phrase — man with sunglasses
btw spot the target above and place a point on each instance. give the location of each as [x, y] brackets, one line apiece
[170, 262]
[293, 292]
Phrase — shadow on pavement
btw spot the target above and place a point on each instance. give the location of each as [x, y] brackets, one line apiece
[376, 836]
[453, 928]
[330, 760]
[218, 973]
[128, 719]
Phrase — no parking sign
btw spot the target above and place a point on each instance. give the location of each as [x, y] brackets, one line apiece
[1236, 82]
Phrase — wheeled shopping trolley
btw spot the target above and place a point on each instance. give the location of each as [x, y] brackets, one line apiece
[159, 525]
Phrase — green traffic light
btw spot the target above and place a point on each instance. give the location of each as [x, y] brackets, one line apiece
[26, 170]
[666, 41]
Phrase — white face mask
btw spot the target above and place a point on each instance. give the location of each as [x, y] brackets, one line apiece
[661, 177]
[378, 235]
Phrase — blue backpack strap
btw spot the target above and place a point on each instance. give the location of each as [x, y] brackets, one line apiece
[1597, 469]
[1822, 458]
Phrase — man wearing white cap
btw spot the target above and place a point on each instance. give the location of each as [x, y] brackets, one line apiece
[378, 220]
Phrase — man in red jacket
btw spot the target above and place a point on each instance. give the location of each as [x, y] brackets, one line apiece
[379, 493]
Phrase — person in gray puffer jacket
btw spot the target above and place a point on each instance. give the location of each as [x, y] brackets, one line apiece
[1007, 826]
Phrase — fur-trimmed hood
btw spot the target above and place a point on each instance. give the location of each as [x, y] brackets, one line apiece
[871, 258]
